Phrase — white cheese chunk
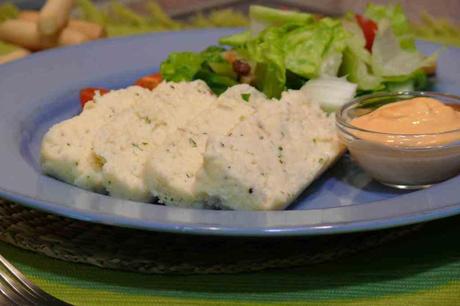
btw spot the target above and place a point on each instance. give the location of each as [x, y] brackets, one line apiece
[124, 143]
[266, 161]
[67, 148]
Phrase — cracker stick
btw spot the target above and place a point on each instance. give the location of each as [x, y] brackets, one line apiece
[14, 55]
[22, 33]
[28, 15]
[54, 16]
[70, 36]
[90, 29]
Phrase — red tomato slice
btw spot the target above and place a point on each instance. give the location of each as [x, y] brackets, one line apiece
[87, 94]
[150, 81]
[369, 28]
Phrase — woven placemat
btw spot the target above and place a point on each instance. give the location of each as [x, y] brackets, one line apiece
[151, 252]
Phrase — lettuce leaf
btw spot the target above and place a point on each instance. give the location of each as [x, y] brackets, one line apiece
[418, 80]
[357, 71]
[236, 40]
[268, 54]
[305, 49]
[393, 64]
[262, 17]
[357, 60]
[287, 49]
[315, 48]
[217, 83]
[389, 59]
[208, 65]
[181, 66]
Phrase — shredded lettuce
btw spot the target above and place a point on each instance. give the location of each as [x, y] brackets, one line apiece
[209, 66]
[267, 51]
[315, 48]
[417, 80]
[181, 66]
[390, 59]
[394, 63]
[356, 65]
[399, 24]
[303, 48]
[287, 49]
[262, 17]
[236, 40]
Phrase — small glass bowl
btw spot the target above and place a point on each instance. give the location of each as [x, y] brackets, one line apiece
[404, 161]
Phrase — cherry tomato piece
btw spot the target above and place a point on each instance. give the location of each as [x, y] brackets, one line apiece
[369, 28]
[87, 94]
[150, 81]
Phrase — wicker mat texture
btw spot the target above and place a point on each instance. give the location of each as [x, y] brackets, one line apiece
[151, 252]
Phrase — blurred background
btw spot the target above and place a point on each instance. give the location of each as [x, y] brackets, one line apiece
[449, 9]
[436, 21]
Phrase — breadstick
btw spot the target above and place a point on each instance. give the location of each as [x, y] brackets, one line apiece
[90, 29]
[54, 16]
[71, 37]
[22, 33]
[14, 55]
[28, 15]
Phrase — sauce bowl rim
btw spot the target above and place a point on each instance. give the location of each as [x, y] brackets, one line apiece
[342, 123]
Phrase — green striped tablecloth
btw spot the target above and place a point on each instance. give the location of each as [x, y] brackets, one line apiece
[422, 268]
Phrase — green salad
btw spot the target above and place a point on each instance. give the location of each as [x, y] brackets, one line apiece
[285, 49]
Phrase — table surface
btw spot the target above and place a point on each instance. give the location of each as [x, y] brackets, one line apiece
[422, 268]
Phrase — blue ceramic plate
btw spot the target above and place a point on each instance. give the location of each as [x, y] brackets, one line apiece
[41, 90]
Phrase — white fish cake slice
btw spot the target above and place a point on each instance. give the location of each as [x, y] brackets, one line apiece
[269, 159]
[171, 168]
[66, 150]
[124, 143]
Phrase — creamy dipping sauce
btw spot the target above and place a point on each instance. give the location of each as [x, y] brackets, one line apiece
[420, 115]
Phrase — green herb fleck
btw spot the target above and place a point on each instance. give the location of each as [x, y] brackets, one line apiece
[147, 120]
[192, 142]
[321, 160]
[136, 146]
[280, 154]
[246, 96]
